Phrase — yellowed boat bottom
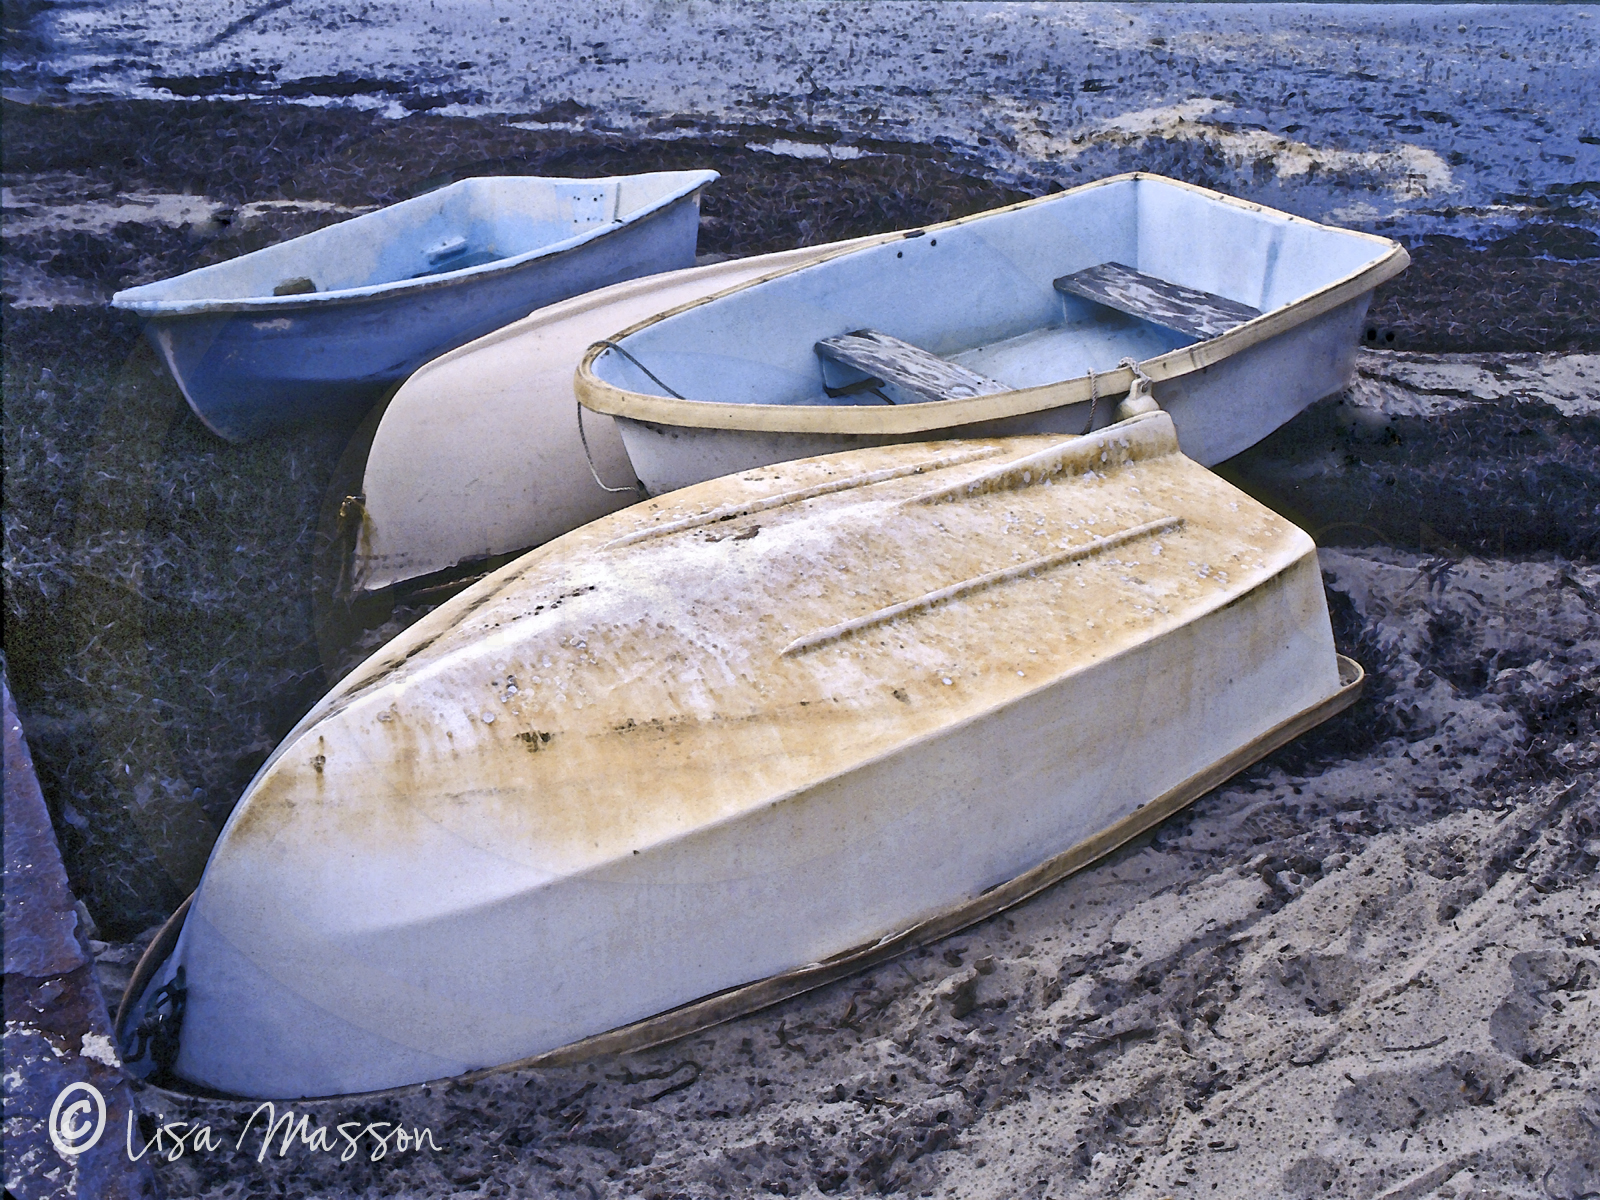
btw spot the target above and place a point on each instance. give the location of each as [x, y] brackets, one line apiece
[752, 997]
[765, 729]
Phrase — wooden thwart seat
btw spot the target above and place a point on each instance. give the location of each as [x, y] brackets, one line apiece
[889, 360]
[1188, 310]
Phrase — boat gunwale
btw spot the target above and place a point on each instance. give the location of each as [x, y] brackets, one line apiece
[743, 999]
[304, 303]
[614, 293]
[599, 396]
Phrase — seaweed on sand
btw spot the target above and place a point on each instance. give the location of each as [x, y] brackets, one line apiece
[157, 587]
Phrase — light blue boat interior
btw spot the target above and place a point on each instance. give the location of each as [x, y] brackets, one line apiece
[982, 294]
[478, 225]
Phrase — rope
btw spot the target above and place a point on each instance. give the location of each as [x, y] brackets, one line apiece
[584, 438]
[1094, 387]
[653, 377]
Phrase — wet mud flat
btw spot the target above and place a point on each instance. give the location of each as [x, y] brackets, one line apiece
[1365, 114]
[1368, 966]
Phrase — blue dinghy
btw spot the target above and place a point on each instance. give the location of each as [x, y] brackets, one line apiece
[315, 329]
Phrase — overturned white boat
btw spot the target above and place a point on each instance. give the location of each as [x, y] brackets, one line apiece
[1021, 320]
[480, 454]
[727, 745]
[316, 328]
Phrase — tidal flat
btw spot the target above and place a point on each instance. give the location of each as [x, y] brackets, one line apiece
[1368, 966]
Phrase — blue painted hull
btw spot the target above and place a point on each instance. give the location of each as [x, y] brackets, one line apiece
[256, 369]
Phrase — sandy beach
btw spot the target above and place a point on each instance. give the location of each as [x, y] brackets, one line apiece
[1366, 967]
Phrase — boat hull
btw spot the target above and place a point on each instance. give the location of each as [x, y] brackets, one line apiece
[640, 766]
[249, 369]
[702, 1014]
[479, 454]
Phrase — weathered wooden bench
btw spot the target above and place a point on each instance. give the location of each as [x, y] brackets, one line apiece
[884, 359]
[1188, 310]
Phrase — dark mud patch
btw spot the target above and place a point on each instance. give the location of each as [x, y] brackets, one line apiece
[1536, 289]
[128, 252]
[1504, 480]
[157, 604]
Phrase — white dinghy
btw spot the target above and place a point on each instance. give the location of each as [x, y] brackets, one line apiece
[728, 745]
[480, 454]
[316, 328]
[1013, 321]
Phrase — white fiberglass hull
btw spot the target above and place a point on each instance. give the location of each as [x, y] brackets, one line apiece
[479, 454]
[715, 738]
